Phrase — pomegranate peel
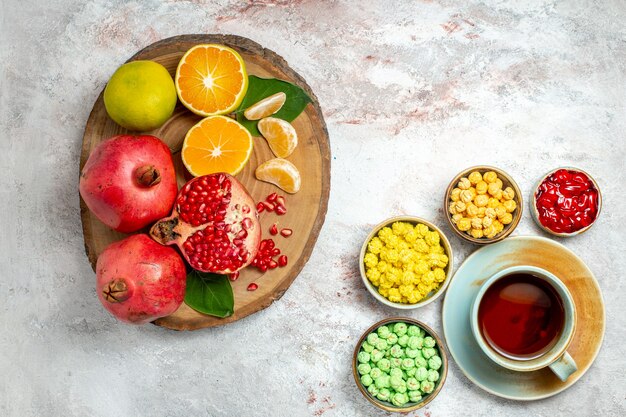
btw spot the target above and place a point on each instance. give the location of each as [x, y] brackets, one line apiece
[213, 224]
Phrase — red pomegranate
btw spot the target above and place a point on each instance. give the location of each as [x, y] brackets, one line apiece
[214, 223]
[129, 182]
[139, 280]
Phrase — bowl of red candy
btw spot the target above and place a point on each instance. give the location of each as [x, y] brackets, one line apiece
[566, 202]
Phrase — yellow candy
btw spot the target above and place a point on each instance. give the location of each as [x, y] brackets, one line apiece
[490, 212]
[490, 231]
[481, 212]
[481, 187]
[370, 260]
[508, 193]
[471, 210]
[477, 233]
[477, 223]
[487, 222]
[456, 217]
[500, 211]
[507, 218]
[510, 205]
[467, 196]
[490, 177]
[493, 203]
[440, 274]
[460, 206]
[452, 208]
[493, 188]
[481, 200]
[498, 225]
[455, 194]
[464, 224]
[464, 183]
[475, 177]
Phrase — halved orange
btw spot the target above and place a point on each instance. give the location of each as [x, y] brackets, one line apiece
[211, 79]
[281, 173]
[216, 144]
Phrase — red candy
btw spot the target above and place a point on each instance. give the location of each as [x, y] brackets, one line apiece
[567, 201]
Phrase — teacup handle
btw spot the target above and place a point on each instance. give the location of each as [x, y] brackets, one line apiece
[564, 366]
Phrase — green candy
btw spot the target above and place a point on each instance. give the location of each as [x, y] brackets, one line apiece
[372, 338]
[383, 331]
[395, 362]
[415, 396]
[429, 342]
[384, 394]
[402, 388]
[421, 362]
[367, 347]
[363, 357]
[429, 352]
[382, 345]
[375, 373]
[372, 389]
[400, 329]
[412, 384]
[395, 381]
[384, 365]
[407, 363]
[415, 342]
[411, 372]
[364, 368]
[434, 363]
[395, 372]
[421, 374]
[413, 353]
[366, 380]
[403, 340]
[396, 351]
[399, 399]
[376, 355]
[392, 339]
[382, 381]
[433, 376]
[414, 331]
[427, 387]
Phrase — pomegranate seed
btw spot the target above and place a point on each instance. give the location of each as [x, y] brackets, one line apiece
[280, 200]
[280, 210]
[274, 230]
[263, 268]
[234, 276]
[252, 286]
[246, 223]
[282, 260]
[260, 208]
[275, 252]
[286, 232]
[272, 197]
[268, 206]
[272, 264]
[245, 209]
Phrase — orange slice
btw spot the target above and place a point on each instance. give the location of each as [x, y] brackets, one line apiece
[280, 135]
[216, 144]
[211, 79]
[281, 173]
[266, 107]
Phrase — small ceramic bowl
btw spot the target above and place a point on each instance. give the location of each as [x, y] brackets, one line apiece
[387, 406]
[535, 213]
[507, 181]
[433, 295]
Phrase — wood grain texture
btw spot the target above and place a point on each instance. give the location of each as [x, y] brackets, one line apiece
[306, 209]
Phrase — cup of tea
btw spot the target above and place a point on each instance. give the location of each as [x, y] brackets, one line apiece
[523, 318]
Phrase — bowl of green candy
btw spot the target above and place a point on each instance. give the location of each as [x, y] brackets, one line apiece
[399, 364]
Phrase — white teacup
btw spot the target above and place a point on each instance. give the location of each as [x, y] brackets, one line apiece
[556, 357]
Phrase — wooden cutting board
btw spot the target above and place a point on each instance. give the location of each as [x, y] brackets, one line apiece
[306, 209]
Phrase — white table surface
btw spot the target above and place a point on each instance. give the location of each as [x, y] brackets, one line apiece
[412, 93]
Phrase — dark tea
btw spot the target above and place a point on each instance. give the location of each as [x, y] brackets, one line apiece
[521, 316]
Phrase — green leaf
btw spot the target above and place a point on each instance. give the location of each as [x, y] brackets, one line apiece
[260, 88]
[210, 294]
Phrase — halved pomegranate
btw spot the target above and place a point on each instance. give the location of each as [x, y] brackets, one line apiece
[214, 223]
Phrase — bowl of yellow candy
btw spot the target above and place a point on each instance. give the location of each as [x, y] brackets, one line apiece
[406, 262]
[483, 204]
